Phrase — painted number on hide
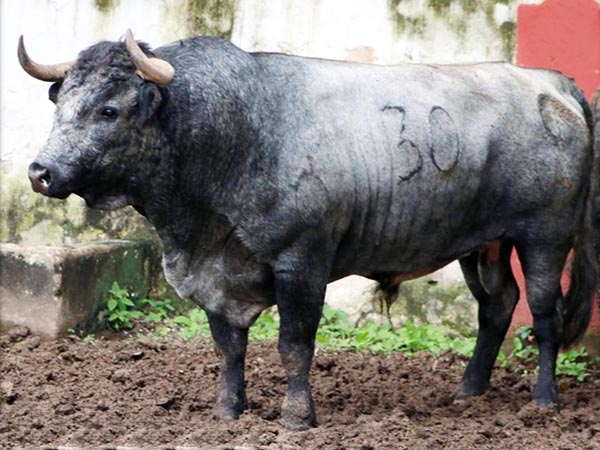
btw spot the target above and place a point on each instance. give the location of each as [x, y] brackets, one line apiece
[408, 161]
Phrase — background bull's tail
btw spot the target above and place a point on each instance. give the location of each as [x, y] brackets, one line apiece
[585, 268]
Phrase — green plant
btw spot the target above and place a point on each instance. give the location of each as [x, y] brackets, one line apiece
[121, 308]
[156, 310]
[266, 326]
[89, 338]
[574, 362]
[192, 324]
[335, 332]
[195, 323]
[85, 338]
[465, 346]
[523, 350]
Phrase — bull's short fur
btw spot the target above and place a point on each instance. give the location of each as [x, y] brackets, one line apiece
[267, 175]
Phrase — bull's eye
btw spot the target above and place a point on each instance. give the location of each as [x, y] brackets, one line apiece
[109, 112]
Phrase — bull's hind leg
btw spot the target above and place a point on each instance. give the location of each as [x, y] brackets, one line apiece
[542, 267]
[489, 277]
[230, 343]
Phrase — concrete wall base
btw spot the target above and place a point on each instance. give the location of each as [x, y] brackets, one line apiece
[53, 289]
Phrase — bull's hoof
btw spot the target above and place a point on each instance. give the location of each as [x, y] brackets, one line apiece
[547, 405]
[296, 423]
[546, 397]
[298, 414]
[226, 414]
[470, 389]
[229, 411]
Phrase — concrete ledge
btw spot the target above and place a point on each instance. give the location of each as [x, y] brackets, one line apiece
[52, 289]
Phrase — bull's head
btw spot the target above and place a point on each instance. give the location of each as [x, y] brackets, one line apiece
[105, 101]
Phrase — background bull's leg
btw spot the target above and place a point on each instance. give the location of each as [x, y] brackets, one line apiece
[490, 279]
[542, 267]
[230, 343]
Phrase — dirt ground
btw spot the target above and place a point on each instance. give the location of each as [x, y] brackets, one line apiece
[112, 394]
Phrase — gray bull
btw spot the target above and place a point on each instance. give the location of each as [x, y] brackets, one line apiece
[268, 175]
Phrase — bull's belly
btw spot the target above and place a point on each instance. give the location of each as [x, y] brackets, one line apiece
[399, 276]
[401, 270]
[417, 255]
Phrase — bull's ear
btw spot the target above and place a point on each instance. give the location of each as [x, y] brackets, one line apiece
[53, 92]
[149, 101]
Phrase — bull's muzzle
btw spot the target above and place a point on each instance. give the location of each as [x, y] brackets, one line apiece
[40, 177]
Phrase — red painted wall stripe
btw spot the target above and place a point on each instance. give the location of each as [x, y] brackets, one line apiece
[563, 35]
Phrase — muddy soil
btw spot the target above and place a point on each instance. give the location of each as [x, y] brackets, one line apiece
[112, 394]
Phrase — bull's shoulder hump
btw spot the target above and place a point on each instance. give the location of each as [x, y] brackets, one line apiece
[207, 45]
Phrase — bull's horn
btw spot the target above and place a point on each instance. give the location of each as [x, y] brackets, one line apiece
[153, 69]
[44, 72]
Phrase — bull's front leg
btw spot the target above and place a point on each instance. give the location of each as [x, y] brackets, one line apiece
[230, 343]
[299, 296]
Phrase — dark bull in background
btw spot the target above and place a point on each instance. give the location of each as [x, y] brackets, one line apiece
[268, 175]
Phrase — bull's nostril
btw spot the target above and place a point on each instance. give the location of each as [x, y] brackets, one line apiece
[40, 177]
[45, 177]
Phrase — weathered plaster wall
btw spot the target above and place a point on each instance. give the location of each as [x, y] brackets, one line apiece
[379, 31]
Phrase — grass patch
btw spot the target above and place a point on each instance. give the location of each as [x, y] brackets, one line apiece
[124, 311]
[336, 333]
[574, 362]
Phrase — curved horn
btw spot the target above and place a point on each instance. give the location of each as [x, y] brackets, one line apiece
[44, 72]
[152, 69]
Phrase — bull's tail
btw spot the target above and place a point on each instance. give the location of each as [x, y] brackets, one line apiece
[585, 267]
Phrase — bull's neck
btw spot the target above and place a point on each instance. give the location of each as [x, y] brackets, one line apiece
[206, 172]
